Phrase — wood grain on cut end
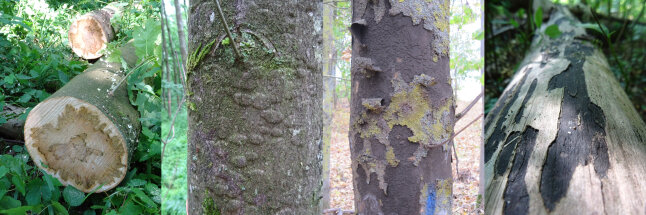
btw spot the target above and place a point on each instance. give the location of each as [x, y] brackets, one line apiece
[75, 142]
[87, 37]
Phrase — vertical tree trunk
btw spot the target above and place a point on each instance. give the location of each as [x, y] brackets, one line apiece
[402, 107]
[328, 95]
[564, 138]
[255, 122]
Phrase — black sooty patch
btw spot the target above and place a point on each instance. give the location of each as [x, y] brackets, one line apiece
[581, 136]
[516, 191]
[499, 131]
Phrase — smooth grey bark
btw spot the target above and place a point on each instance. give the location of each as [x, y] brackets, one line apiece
[564, 138]
[402, 107]
[255, 121]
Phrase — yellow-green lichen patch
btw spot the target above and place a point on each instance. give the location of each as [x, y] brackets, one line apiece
[435, 16]
[378, 6]
[411, 107]
[390, 156]
[443, 196]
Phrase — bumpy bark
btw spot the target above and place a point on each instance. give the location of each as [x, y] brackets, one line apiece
[402, 108]
[564, 138]
[255, 123]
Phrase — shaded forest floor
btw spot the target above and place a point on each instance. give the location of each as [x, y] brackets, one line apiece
[465, 186]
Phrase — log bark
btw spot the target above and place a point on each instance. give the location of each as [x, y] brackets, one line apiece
[402, 107]
[81, 134]
[89, 34]
[564, 138]
[255, 119]
[12, 129]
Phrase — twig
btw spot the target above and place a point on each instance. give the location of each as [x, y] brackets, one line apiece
[12, 141]
[339, 211]
[172, 125]
[456, 134]
[457, 162]
[464, 112]
[226, 27]
[330, 76]
[111, 93]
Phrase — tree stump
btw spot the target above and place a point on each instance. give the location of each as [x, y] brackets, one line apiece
[90, 33]
[84, 135]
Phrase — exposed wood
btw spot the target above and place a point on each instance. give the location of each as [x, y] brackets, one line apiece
[12, 129]
[82, 135]
[564, 138]
[402, 107]
[89, 34]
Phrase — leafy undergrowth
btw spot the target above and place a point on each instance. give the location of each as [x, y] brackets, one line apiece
[37, 61]
[174, 166]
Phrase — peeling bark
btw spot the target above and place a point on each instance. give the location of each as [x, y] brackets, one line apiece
[255, 123]
[402, 107]
[564, 138]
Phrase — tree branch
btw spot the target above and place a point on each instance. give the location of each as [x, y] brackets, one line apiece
[464, 112]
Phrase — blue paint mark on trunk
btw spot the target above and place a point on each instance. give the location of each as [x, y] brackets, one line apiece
[430, 202]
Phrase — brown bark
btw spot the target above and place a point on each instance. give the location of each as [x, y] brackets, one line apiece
[82, 134]
[254, 119]
[402, 107]
[564, 138]
[12, 129]
[89, 34]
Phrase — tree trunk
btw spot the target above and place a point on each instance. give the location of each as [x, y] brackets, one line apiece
[81, 134]
[90, 33]
[328, 95]
[402, 107]
[563, 138]
[255, 119]
[12, 129]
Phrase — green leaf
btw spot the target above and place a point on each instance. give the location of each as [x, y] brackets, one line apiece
[19, 183]
[59, 208]
[136, 182]
[141, 195]
[17, 148]
[8, 202]
[72, 196]
[538, 17]
[130, 208]
[33, 197]
[3, 171]
[553, 31]
[18, 211]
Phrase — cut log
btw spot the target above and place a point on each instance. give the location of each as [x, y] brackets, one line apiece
[81, 134]
[564, 138]
[12, 129]
[90, 33]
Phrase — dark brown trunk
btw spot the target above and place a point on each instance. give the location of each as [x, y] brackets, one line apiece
[402, 107]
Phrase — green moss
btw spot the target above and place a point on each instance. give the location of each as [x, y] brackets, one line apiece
[208, 205]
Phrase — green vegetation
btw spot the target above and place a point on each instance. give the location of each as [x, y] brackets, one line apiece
[174, 126]
[36, 61]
